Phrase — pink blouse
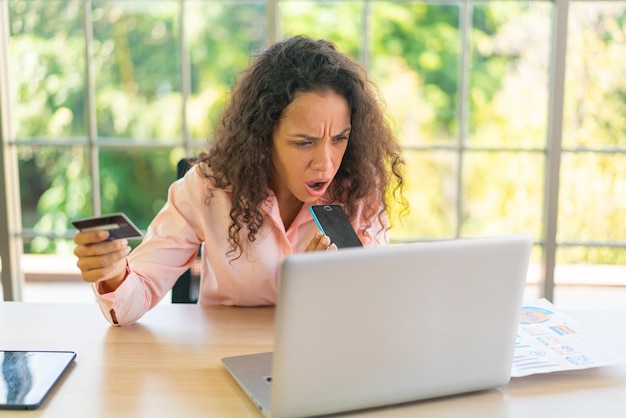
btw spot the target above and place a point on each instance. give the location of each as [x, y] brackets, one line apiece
[185, 221]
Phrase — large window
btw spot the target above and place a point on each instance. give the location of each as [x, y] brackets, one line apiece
[512, 114]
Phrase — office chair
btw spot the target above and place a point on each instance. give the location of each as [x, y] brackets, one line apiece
[187, 287]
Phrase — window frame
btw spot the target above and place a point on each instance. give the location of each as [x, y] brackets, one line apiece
[12, 234]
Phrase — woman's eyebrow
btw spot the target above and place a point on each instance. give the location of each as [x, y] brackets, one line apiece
[303, 136]
[313, 138]
[346, 130]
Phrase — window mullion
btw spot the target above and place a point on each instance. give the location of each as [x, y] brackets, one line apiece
[273, 16]
[10, 210]
[556, 90]
[90, 100]
[185, 77]
[465, 23]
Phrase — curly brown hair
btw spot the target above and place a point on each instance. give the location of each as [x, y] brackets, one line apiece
[240, 155]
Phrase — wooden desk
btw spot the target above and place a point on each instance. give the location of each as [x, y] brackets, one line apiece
[169, 365]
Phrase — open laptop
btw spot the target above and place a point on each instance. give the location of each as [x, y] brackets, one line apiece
[368, 327]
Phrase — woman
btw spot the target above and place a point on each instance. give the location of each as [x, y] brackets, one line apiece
[304, 125]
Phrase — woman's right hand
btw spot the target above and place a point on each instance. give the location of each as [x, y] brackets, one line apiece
[101, 261]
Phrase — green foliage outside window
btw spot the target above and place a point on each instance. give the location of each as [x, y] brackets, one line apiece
[413, 51]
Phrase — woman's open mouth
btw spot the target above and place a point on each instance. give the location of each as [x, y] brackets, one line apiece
[317, 188]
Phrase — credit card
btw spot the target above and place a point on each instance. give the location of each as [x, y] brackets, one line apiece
[118, 225]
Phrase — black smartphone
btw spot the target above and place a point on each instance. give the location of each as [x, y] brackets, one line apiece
[333, 222]
[118, 225]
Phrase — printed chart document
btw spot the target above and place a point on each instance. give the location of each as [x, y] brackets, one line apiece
[550, 341]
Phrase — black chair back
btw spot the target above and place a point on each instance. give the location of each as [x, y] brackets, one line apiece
[187, 287]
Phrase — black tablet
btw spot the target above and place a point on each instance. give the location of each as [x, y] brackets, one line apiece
[27, 377]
